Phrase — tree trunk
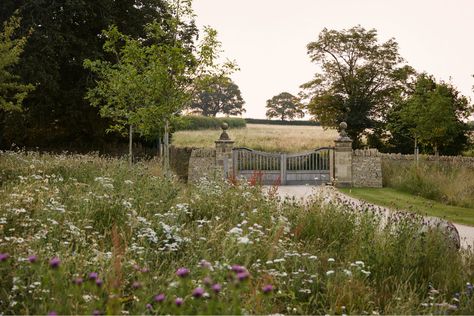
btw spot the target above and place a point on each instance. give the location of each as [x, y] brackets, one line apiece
[130, 147]
[166, 151]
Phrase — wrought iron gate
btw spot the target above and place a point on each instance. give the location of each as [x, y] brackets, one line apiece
[314, 167]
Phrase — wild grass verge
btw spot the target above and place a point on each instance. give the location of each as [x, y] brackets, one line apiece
[446, 183]
[82, 235]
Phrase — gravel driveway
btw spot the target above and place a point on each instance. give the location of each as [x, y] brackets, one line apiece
[305, 192]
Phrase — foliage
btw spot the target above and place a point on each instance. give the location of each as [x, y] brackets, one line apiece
[145, 86]
[274, 122]
[12, 92]
[360, 79]
[284, 106]
[217, 94]
[435, 115]
[198, 122]
[65, 34]
[446, 183]
[59, 253]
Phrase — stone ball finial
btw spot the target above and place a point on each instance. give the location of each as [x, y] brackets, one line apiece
[342, 132]
[224, 135]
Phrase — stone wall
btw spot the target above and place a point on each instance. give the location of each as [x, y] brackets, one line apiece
[202, 163]
[179, 161]
[366, 168]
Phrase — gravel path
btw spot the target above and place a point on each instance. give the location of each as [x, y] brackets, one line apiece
[305, 192]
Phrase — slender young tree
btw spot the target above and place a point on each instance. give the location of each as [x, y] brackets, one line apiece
[151, 80]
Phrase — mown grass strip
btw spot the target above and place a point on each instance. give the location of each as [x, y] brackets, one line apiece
[400, 200]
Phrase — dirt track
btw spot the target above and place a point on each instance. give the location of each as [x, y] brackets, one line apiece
[304, 192]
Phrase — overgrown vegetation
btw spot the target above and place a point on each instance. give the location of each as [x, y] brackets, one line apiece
[446, 183]
[82, 235]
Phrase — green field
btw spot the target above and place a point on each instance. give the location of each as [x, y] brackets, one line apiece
[275, 138]
[400, 200]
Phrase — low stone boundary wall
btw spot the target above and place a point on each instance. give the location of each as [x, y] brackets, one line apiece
[202, 163]
[179, 161]
[366, 168]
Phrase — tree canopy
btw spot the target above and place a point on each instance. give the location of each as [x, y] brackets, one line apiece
[65, 33]
[284, 106]
[360, 79]
[217, 94]
[434, 114]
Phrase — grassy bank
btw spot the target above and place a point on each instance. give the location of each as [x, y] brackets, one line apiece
[86, 235]
[396, 199]
[449, 184]
[275, 138]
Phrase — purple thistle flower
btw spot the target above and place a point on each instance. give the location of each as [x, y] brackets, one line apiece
[145, 270]
[179, 301]
[182, 272]
[52, 313]
[93, 276]
[4, 257]
[96, 312]
[78, 281]
[159, 298]
[32, 259]
[54, 262]
[198, 292]
[207, 280]
[136, 285]
[238, 269]
[267, 288]
[99, 282]
[216, 288]
[148, 306]
[205, 264]
[241, 276]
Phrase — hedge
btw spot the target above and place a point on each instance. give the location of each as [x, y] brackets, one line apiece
[280, 122]
[196, 122]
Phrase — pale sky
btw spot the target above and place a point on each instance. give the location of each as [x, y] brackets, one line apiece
[268, 38]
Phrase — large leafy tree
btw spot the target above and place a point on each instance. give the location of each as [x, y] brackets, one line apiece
[65, 34]
[434, 115]
[217, 94]
[359, 80]
[284, 106]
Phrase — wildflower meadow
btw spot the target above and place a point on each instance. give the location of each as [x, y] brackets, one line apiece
[81, 234]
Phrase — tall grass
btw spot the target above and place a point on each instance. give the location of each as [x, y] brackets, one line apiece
[119, 236]
[275, 138]
[446, 183]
